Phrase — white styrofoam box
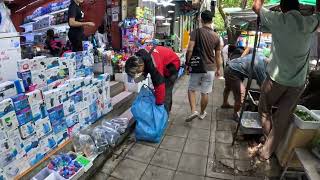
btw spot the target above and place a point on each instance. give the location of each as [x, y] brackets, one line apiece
[51, 98]
[7, 90]
[39, 78]
[306, 124]
[43, 127]
[24, 65]
[316, 112]
[119, 77]
[34, 97]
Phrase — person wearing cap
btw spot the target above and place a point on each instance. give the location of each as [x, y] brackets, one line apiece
[287, 71]
[162, 64]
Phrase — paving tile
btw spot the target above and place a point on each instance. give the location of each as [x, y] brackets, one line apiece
[220, 168]
[243, 166]
[202, 124]
[112, 178]
[209, 178]
[166, 159]
[173, 143]
[224, 136]
[179, 131]
[111, 164]
[193, 164]
[248, 178]
[185, 176]
[100, 176]
[129, 170]
[212, 148]
[241, 152]
[157, 173]
[199, 134]
[125, 147]
[224, 151]
[213, 136]
[196, 147]
[226, 125]
[141, 153]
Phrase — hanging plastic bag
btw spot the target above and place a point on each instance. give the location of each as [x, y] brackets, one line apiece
[122, 122]
[151, 119]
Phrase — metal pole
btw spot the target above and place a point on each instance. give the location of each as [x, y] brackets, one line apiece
[249, 80]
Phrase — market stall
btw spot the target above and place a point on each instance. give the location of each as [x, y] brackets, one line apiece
[304, 129]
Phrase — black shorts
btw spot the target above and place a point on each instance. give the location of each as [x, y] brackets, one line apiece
[76, 39]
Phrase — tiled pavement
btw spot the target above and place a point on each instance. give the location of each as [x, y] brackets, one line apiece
[200, 150]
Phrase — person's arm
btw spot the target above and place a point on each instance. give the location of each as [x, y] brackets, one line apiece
[246, 52]
[257, 6]
[190, 47]
[74, 23]
[190, 51]
[218, 61]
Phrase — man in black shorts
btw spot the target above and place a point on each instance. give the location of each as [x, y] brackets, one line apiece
[75, 18]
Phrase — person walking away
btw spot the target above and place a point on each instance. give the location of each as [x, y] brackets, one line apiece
[162, 64]
[75, 20]
[235, 73]
[287, 71]
[211, 58]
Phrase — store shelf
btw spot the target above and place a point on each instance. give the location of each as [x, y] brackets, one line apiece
[44, 16]
[46, 28]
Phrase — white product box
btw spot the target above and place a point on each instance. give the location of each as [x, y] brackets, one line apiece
[35, 97]
[43, 127]
[7, 90]
[39, 78]
[16, 141]
[84, 117]
[68, 107]
[24, 65]
[72, 119]
[39, 63]
[9, 121]
[27, 130]
[51, 98]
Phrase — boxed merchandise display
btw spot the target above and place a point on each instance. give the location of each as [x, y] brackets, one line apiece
[7, 90]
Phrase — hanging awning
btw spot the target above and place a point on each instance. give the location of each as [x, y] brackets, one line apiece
[305, 2]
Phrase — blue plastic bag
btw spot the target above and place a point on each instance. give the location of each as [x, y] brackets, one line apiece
[151, 120]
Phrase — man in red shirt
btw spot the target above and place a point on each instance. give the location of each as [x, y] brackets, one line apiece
[162, 64]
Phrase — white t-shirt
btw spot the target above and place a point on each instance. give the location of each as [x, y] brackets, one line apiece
[225, 53]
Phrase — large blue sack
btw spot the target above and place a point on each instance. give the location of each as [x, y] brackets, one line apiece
[151, 120]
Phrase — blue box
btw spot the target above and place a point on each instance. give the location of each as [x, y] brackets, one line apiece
[26, 78]
[24, 116]
[20, 102]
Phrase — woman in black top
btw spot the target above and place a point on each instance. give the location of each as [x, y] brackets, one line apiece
[75, 16]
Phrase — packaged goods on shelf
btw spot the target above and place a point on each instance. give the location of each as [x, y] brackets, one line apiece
[38, 120]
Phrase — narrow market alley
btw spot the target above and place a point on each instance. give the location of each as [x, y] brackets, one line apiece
[188, 151]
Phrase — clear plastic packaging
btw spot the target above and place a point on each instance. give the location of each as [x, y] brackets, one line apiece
[122, 122]
[108, 123]
[87, 145]
[113, 135]
[76, 142]
[101, 138]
